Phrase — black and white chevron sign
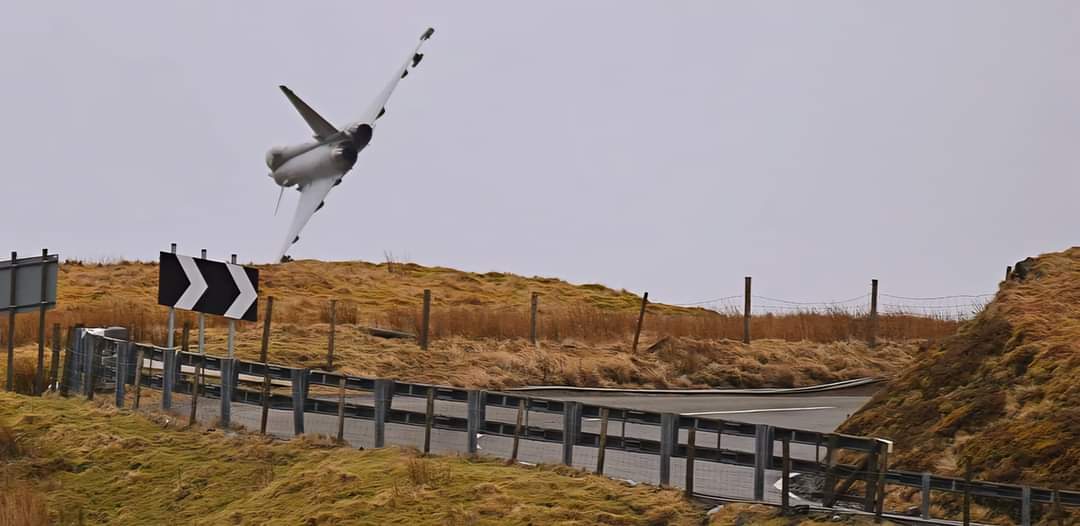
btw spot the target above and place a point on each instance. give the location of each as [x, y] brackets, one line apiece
[211, 287]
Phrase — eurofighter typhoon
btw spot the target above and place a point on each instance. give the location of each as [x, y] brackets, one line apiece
[316, 167]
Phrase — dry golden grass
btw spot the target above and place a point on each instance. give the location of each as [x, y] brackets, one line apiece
[1003, 395]
[491, 305]
[494, 364]
[20, 505]
[480, 324]
[761, 515]
[119, 467]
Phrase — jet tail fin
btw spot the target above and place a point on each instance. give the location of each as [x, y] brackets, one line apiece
[318, 124]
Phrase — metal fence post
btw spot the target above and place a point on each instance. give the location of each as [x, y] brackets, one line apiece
[299, 395]
[691, 447]
[571, 430]
[384, 393]
[168, 381]
[54, 370]
[924, 507]
[762, 458]
[474, 420]
[69, 361]
[122, 357]
[90, 350]
[669, 437]
[1025, 505]
[429, 418]
[228, 384]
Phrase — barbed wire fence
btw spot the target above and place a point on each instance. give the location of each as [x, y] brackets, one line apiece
[957, 307]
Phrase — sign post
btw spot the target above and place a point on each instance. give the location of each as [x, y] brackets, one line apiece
[27, 285]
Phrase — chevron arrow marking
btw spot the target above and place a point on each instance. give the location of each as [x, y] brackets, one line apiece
[247, 294]
[197, 284]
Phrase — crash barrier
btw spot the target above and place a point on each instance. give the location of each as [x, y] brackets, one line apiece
[704, 456]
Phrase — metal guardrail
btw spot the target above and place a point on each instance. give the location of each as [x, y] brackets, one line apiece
[569, 435]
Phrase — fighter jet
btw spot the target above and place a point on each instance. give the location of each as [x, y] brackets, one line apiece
[316, 167]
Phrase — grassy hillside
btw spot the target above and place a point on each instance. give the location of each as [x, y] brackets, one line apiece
[480, 325]
[64, 458]
[1003, 395]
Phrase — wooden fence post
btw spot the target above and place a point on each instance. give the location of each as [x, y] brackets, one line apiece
[330, 342]
[601, 453]
[691, 451]
[873, 312]
[640, 319]
[517, 431]
[341, 411]
[425, 320]
[534, 304]
[429, 418]
[883, 467]
[746, 310]
[195, 383]
[266, 365]
[122, 356]
[54, 369]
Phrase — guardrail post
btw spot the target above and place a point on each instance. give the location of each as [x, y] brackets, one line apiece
[429, 418]
[967, 493]
[785, 475]
[831, 459]
[341, 410]
[762, 458]
[669, 436]
[384, 393]
[924, 508]
[571, 430]
[474, 420]
[601, 452]
[299, 395]
[1025, 506]
[122, 354]
[228, 385]
[137, 382]
[168, 381]
[691, 436]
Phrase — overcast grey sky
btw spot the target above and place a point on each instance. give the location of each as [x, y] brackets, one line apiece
[672, 147]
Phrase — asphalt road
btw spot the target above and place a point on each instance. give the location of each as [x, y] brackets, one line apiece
[817, 411]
